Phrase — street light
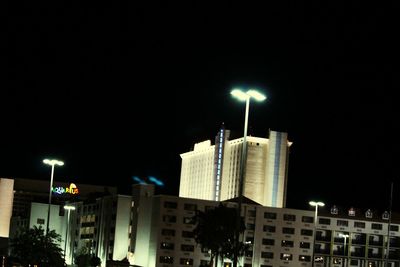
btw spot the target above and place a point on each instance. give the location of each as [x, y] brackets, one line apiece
[345, 236]
[315, 204]
[243, 96]
[52, 163]
[68, 208]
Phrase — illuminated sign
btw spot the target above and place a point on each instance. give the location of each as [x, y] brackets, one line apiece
[72, 189]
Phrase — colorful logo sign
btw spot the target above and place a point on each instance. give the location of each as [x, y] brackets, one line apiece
[72, 189]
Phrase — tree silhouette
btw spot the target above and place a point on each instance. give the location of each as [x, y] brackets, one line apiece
[85, 259]
[215, 231]
[32, 247]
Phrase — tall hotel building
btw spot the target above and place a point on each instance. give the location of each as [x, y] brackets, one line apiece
[211, 172]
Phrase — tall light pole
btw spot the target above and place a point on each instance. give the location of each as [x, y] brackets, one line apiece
[345, 236]
[243, 96]
[315, 204]
[52, 163]
[68, 208]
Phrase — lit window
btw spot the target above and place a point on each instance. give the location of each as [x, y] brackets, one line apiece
[306, 258]
[166, 259]
[185, 261]
[368, 214]
[286, 256]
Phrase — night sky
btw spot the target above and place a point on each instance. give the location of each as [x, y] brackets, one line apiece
[121, 89]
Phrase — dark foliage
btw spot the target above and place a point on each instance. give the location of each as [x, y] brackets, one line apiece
[32, 247]
[215, 231]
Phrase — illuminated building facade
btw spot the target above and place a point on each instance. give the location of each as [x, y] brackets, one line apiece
[357, 239]
[156, 231]
[6, 204]
[211, 172]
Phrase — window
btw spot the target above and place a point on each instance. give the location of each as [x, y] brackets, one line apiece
[342, 223]
[287, 230]
[289, 217]
[204, 250]
[187, 247]
[267, 255]
[287, 243]
[385, 215]
[40, 221]
[169, 218]
[337, 261]
[248, 253]
[168, 232]
[376, 226]
[188, 220]
[353, 262]
[324, 221]
[191, 207]
[368, 214]
[270, 215]
[306, 258]
[359, 224]
[187, 234]
[166, 245]
[251, 213]
[286, 256]
[249, 240]
[305, 245]
[307, 219]
[269, 228]
[394, 228]
[352, 212]
[170, 205]
[204, 263]
[268, 242]
[306, 232]
[166, 259]
[250, 226]
[185, 261]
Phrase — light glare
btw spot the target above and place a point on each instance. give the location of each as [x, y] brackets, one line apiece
[53, 162]
[313, 203]
[256, 95]
[69, 207]
[239, 94]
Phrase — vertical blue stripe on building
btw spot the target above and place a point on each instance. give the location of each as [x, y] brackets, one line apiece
[219, 165]
[276, 168]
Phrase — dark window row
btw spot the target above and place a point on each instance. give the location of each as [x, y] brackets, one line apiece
[288, 217]
[287, 230]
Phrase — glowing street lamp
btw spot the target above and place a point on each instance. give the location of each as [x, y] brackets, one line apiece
[68, 208]
[243, 96]
[52, 163]
[315, 204]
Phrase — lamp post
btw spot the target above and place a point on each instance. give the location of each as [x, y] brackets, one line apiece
[68, 208]
[345, 236]
[315, 204]
[52, 163]
[243, 96]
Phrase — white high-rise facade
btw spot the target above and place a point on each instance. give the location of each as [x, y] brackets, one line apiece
[6, 205]
[211, 172]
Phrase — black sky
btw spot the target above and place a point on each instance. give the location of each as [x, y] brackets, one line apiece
[122, 88]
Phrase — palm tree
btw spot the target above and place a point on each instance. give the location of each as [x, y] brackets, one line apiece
[215, 231]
